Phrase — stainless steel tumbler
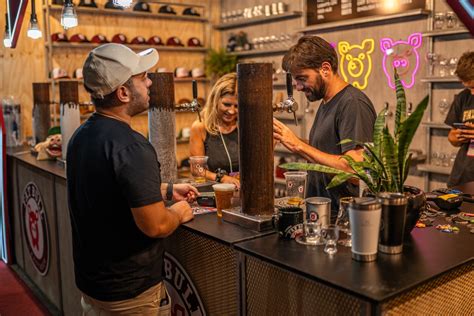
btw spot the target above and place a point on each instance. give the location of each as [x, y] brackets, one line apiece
[392, 226]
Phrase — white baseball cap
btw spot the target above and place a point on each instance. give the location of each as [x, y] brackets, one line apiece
[109, 66]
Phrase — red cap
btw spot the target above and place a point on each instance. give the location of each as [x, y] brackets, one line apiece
[174, 41]
[155, 40]
[99, 39]
[59, 37]
[138, 40]
[194, 42]
[119, 39]
[78, 38]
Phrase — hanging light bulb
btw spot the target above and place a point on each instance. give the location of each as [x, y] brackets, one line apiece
[123, 3]
[7, 39]
[68, 15]
[34, 31]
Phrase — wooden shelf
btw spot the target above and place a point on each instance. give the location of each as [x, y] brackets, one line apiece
[436, 125]
[260, 52]
[279, 181]
[130, 13]
[447, 79]
[364, 20]
[446, 32]
[434, 169]
[259, 20]
[132, 46]
[176, 80]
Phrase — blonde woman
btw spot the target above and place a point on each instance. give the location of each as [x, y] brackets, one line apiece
[217, 135]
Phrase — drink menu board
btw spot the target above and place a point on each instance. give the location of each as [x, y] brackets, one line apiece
[323, 11]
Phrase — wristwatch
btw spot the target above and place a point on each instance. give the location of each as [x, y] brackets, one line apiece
[220, 173]
[169, 191]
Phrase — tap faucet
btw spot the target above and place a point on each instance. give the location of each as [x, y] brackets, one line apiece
[192, 106]
[289, 105]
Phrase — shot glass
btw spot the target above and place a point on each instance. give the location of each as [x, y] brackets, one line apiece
[198, 168]
[295, 186]
[330, 234]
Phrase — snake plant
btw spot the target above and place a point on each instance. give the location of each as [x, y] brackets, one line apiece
[386, 160]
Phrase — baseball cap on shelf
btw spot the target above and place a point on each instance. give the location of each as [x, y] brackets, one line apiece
[191, 11]
[181, 72]
[109, 66]
[174, 41]
[141, 6]
[138, 40]
[99, 39]
[197, 73]
[59, 37]
[88, 3]
[77, 73]
[119, 39]
[194, 42]
[155, 40]
[110, 5]
[58, 73]
[162, 69]
[78, 38]
[167, 9]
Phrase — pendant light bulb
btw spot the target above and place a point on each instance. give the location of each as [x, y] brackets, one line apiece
[7, 39]
[123, 3]
[68, 15]
[34, 31]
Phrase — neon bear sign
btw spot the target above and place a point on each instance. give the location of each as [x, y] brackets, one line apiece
[356, 62]
[402, 55]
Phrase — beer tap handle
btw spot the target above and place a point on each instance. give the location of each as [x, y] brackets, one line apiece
[195, 102]
[294, 116]
[289, 85]
[195, 90]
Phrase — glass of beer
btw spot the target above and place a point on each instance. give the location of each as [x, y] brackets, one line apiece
[198, 168]
[295, 186]
[223, 193]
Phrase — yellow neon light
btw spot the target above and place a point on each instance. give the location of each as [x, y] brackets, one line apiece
[356, 62]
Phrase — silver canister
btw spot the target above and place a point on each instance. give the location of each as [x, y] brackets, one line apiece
[392, 226]
[364, 216]
[318, 209]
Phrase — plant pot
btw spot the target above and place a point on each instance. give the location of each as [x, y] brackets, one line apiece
[416, 205]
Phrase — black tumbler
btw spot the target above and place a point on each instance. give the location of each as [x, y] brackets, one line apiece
[289, 222]
[392, 225]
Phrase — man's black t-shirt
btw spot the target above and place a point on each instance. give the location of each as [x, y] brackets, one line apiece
[110, 169]
[462, 111]
[349, 114]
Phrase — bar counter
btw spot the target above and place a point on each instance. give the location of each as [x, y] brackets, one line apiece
[235, 271]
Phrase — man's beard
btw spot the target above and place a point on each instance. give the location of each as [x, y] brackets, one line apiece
[137, 104]
[316, 94]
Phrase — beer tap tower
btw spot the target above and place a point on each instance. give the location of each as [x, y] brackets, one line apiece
[255, 148]
[289, 105]
[162, 121]
[41, 111]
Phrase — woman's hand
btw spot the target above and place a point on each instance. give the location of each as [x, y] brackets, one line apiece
[185, 192]
[232, 180]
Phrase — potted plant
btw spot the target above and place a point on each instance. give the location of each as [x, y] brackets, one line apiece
[386, 160]
[219, 63]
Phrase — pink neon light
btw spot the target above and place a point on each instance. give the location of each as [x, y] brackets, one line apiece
[401, 61]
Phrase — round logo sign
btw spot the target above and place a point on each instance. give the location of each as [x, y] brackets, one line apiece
[185, 299]
[35, 227]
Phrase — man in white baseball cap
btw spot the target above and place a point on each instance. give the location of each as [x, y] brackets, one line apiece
[116, 198]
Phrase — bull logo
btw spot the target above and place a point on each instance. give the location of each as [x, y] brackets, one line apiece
[356, 62]
[402, 55]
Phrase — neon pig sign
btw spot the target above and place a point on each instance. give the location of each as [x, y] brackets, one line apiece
[356, 62]
[402, 55]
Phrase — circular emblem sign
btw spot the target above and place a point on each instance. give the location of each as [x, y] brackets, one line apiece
[35, 226]
[184, 297]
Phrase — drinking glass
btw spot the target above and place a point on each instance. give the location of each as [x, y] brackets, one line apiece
[451, 19]
[438, 20]
[198, 168]
[295, 186]
[453, 62]
[443, 106]
[443, 69]
[330, 235]
[343, 222]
